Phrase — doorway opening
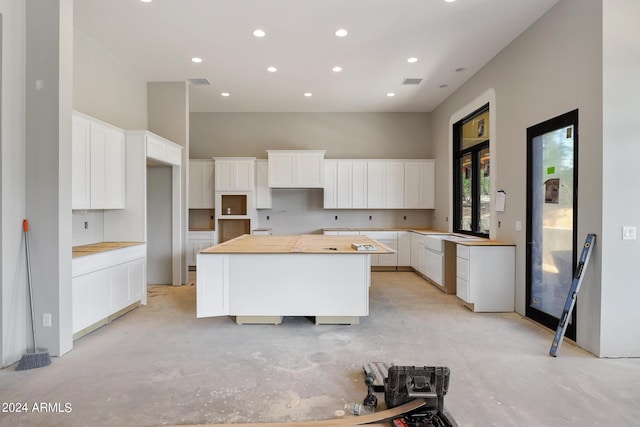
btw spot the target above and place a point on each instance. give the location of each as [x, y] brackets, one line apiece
[552, 196]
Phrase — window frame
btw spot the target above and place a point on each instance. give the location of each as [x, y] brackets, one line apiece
[458, 154]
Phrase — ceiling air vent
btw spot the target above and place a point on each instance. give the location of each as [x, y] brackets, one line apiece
[200, 82]
[408, 81]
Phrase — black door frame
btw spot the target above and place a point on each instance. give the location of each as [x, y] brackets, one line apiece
[564, 120]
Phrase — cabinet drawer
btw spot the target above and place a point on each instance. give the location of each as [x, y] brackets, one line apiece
[462, 251]
[462, 268]
[462, 289]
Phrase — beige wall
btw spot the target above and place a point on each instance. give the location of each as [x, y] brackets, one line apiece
[343, 135]
[555, 66]
[105, 88]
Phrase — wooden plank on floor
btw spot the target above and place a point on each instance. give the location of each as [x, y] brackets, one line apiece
[377, 418]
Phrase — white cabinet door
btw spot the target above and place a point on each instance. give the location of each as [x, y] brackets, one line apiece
[81, 302]
[330, 184]
[309, 169]
[281, 170]
[263, 192]
[234, 174]
[212, 299]
[201, 184]
[107, 167]
[344, 188]
[419, 186]
[81, 163]
[394, 185]
[359, 184]
[404, 248]
[375, 184]
[387, 238]
[296, 168]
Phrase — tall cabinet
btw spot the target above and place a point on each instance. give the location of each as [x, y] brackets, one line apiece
[235, 210]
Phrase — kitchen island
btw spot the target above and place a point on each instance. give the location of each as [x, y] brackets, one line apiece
[260, 279]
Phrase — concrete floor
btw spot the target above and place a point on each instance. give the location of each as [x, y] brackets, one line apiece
[160, 365]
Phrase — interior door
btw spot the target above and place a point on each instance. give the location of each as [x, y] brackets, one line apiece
[551, 217]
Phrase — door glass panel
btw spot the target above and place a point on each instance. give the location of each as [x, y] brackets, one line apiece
[552, 220]
[466, 181]
[485, 194]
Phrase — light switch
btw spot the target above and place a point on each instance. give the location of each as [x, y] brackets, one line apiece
[628, 233]
[518, 225]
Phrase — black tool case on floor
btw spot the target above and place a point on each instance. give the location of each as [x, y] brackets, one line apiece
[431, 383]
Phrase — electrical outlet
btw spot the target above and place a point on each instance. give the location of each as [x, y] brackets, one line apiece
[628, 233]
[86, 225]
[370, 217]
[46, 319]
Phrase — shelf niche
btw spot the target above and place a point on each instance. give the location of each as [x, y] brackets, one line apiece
[234, 204]
[231, 228]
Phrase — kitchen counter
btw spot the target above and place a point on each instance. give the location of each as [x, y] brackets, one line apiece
[261, 279]
[95, 248]
[306, 243]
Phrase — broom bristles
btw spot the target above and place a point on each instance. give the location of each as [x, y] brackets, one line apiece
[34, 360]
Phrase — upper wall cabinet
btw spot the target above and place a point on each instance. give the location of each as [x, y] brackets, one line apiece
[296, 168]
[379, 184]
[385, 184]
[345, 184]
[201, 187]
[98, 164]
[419, 188]
[234, 173]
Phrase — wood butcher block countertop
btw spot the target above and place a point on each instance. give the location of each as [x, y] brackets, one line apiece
[305, 244]
[95, 248]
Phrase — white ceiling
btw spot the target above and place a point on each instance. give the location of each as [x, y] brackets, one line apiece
[158, 39]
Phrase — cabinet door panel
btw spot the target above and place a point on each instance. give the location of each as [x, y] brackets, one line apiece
[281, 170]
[359, 184]
[375, 185]
[344, 188]
[224, 175]
[98, 166]
[207, 185]
[115, 170]
[330, 184]
[243, 175]
[81, 163]
[394, 185]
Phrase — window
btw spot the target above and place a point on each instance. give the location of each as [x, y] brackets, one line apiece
[472, 168]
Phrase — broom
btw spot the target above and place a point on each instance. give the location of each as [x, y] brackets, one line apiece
[36, 359]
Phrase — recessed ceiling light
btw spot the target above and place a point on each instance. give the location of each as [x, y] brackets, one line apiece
[341, 32]
[196, 60]
[461, 69]
[336, 69]
[145, 1]
[272, 69]
[390, 94]
[449, 1]
[259, 33]
[308, 94]
[412, 60]
[225, 94]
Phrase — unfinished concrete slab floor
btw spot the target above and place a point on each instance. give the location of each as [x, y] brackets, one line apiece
[160, 365]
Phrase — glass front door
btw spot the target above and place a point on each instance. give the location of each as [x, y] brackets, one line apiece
[551, 217]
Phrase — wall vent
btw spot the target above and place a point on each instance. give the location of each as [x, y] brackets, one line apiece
[408, 81]
[200, 82]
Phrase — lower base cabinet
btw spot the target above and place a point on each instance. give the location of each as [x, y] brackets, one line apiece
[486, 277]
[98, 295]
[199, 240]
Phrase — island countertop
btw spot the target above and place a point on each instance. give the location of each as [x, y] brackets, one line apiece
[305, 244]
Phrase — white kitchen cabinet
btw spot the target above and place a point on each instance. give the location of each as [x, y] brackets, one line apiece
[98, 164]
[201, 184]
[419, 188]
[404, 248]
[345, 184]
[197, 241]
[296, 168]
[234, 173]
[104, 283]
[486, 277]
[330, 184]
[417, 252]
[385, 184]
[163, 150]
[263, 192]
